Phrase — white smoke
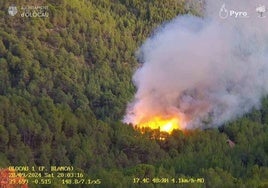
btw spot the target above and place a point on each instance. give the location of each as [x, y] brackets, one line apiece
[210, 70]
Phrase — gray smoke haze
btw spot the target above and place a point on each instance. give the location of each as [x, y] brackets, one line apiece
[208, 70]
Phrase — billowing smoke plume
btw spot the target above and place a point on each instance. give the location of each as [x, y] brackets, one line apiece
[209, 70]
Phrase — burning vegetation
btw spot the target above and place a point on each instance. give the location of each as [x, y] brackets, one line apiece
[210, 73]
[163, 124]
[159, 127]
[11, 179]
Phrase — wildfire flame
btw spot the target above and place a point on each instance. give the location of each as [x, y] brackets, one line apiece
[164, 124]
[12, 179]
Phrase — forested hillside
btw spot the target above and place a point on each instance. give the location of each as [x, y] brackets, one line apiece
[65, 82]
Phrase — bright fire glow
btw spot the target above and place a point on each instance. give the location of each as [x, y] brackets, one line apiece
[163, 124]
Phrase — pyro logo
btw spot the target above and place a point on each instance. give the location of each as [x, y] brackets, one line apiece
[224, 13]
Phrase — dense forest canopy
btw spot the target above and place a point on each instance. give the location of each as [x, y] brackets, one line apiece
[65, 82]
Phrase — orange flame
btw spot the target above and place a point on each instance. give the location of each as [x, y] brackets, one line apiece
[12, 179]
[164, 124]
